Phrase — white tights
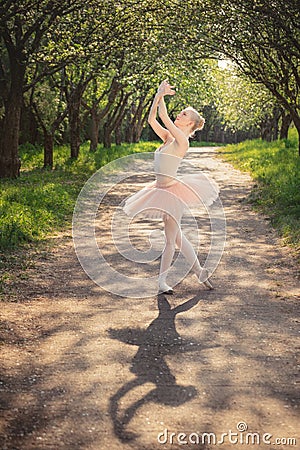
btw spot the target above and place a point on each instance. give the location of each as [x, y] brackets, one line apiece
[173, 237]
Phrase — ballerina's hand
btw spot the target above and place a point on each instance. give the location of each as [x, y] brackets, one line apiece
[166, 89]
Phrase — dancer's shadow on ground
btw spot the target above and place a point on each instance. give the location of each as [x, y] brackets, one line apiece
[157, 341]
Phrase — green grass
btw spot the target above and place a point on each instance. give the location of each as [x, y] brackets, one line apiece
[276, 168]
[205, 144]
[41, 202]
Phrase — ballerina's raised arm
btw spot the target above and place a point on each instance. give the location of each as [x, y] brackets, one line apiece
[164, 89]
[180, 130]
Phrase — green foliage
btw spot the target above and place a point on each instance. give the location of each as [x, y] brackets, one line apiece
[276, 168]
[42, 201]
[262, 38]
[243, 104]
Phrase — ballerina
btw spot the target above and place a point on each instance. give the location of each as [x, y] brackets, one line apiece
[168, 196]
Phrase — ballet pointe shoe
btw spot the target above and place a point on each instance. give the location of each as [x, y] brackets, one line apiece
[203, 278]
[163, 288]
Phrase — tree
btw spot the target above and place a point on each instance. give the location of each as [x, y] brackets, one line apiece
[263, 39]
[244, 104]
[49, 119]
[98, 102]
[23, 25]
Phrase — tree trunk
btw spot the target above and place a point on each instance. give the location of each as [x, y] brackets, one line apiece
[297, 125]
[134, 126]
[266, 130]
[13, 99]
[94, 130]
[106, 136]
[28, 126]
[48, 150]
[128, 133]
[74, 121]
[118, 136]
[48, 134]
[288, 107]
[137, 128]
[285, 125]
[97, 116]
[296, 119]
[137, 132]
[115, 120]
[9, 140]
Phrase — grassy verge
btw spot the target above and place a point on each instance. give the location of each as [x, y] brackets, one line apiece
[205, 144]
[276, 168]
[42, 201]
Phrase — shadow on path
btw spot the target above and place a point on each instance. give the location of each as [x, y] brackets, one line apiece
[149, 366]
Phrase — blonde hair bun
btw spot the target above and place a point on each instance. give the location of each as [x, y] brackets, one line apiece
[198, 119]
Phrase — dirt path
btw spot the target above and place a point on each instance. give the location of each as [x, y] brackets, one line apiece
[85, 369]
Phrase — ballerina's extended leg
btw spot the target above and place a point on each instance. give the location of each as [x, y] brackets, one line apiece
[189, 253]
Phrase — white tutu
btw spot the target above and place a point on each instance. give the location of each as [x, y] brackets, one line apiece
[158, 199]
